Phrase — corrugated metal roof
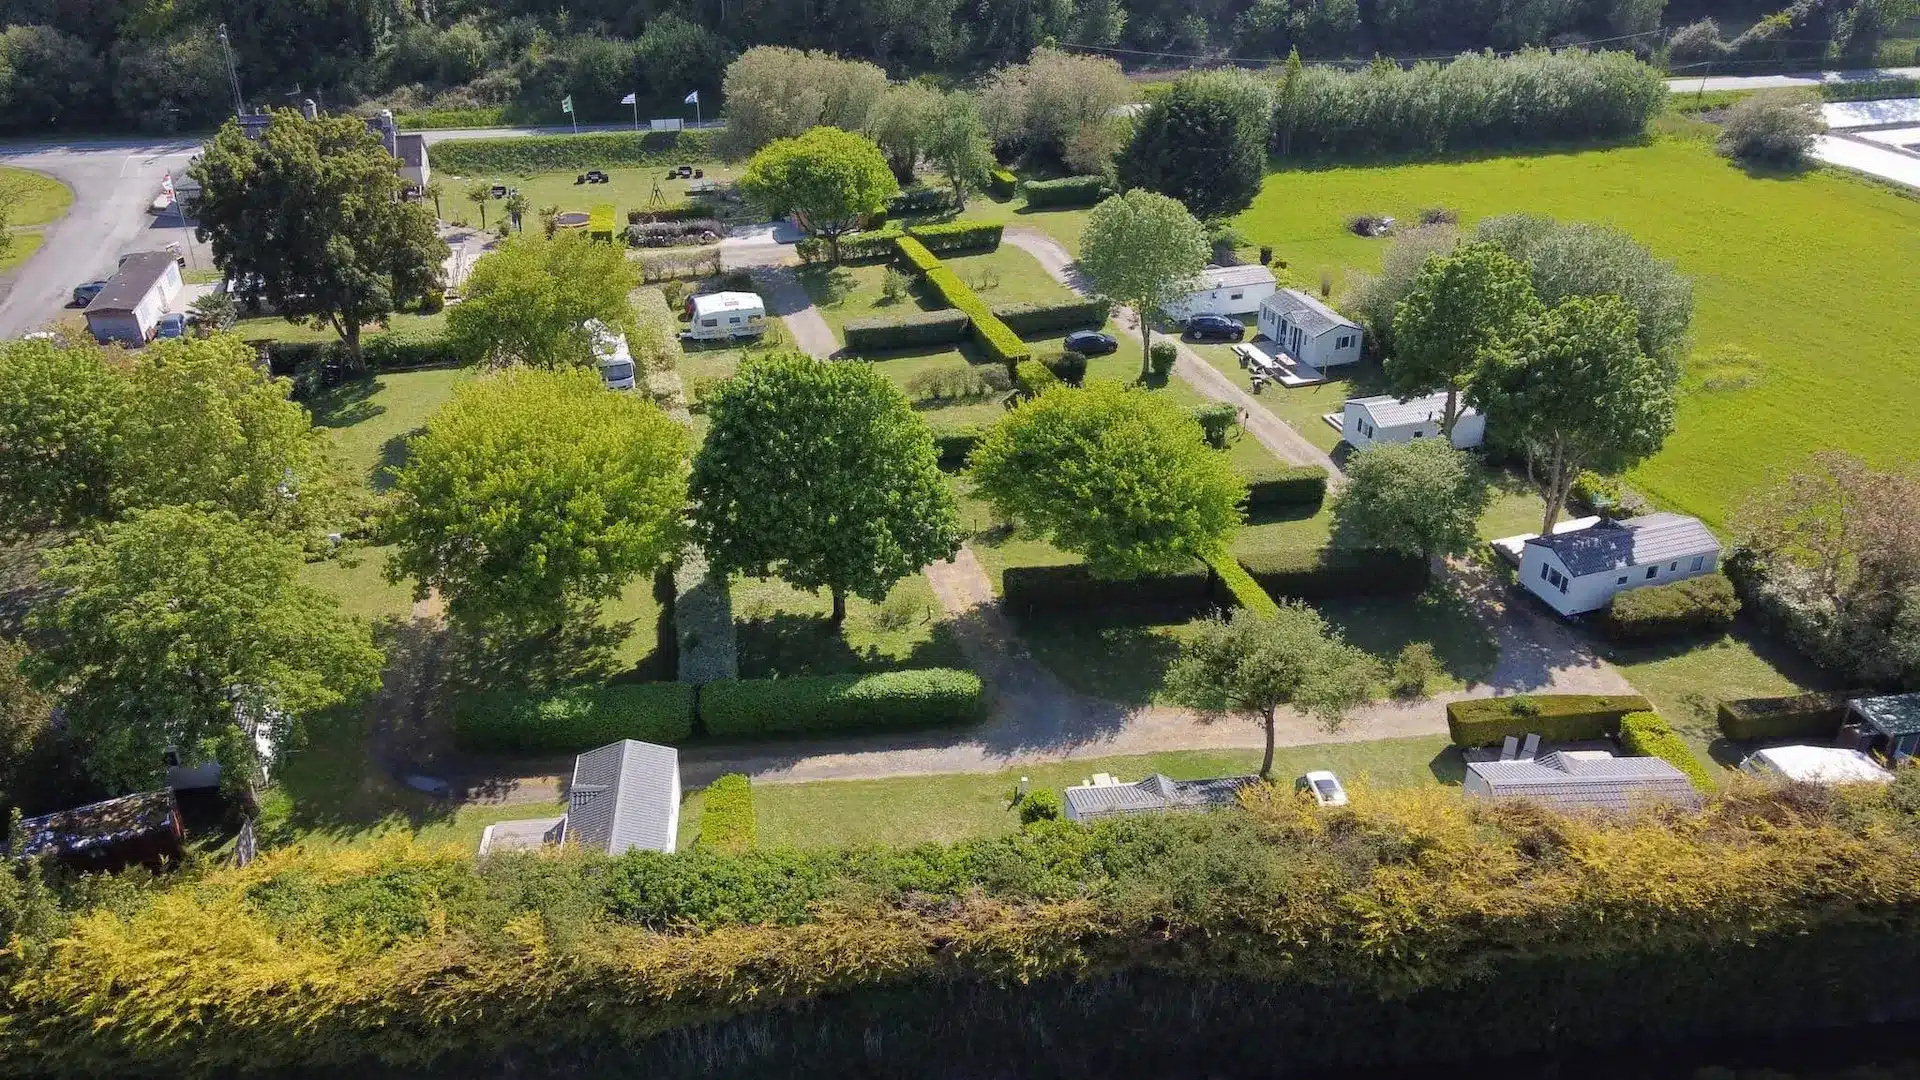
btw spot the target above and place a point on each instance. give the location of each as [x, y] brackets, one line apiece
[1227, 277]
[1307, 312]
[1579, 783]
[1156, 793]
[130, 284]
[621, 797]
[1891, 714]
[1641, 541]
[1389, 411]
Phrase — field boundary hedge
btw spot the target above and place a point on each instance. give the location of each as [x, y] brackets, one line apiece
[810, 705]
[574, 718]
[1555, 717]
[474, 158]
[1799, 716]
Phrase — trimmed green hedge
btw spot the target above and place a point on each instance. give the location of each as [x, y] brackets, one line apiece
[1555, 717]
[1067, 191]
[1334, 573]
[380, 353]
[727, 822]
[573, 719]
[915, 253]
[954, 446]
[1040, 320]
[1286, 485]
[1693, 606]
[1001, 345]
[908, 331]
[1802, 716]
[1645, 734]
[890, 700]
[1245, 591]
[957, 236]
[870, 246]
[545, 153]
[1002, 182]
[1072, 589]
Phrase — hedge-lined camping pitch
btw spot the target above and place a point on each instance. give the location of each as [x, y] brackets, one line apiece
[994, 338]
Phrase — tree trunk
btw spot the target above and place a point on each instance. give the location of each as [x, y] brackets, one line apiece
[1556, 489]
[1452, 415]
[839, 607]
[833, 246]
[483, 216]
[1266, 762]
[436, 208]
[1146, 344]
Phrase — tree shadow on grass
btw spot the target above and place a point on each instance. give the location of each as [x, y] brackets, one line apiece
[347, 404]
[580, 649]
[1115, 661]
[1276, 513]
[786, 644]
[827, 285]
[394, 455]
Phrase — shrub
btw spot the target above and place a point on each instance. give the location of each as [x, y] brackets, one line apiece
[1031, 376]
[1333, 573]
[727, 822]
[958, 236]
[550, 153]
[1069, 367]
[1801, 716]
[1286, 485]
[891, 700]
[1073, 589]
[895, 286]
[1240, 585]
[1002, 183]
[1039, 320]
[1555, 717]
[946, 384]
[573, 719]
[1216, 421]
[1696, 41]
[1000, 344]
[1041, 804]
[1774, 128]
[671, 233]
[916, 330]
[1414, 668]
[1067, 191]
[1160, 358]
[1645, 734]
[1692, 606]
[954, 446]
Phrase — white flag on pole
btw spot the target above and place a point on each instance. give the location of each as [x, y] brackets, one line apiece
[566, 104]
[628, 100]
[166, 185]
[691, 99]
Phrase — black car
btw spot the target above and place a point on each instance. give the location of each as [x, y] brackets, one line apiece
[1217, 327]
[1091, 343]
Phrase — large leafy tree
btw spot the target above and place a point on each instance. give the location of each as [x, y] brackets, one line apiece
[1579, 258]
[529, 301]
[900, 122]
[309, 217]
[1578, 393]
[823, 475]
[779, 93]
[956, 143]
[60, 405]
[1143, 249]
[1122, 477]
[1463, 305]
[174, 624]
[534, 490]
[1057, 104]
[1203, 142]
[831, 179]
[1254, 665]
[1421, 498]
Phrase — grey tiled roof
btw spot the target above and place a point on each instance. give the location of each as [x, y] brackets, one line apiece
[1641, 541]
[130, 284]
[1226, 277]
[1891, 714]
[1571, 783]
[1308, 313]
[1388, 411]
[1156, 792]
[622, 797]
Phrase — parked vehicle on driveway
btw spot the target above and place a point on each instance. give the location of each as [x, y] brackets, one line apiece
[1216, 328]
[1091, 343]
[1323, 786]
[171, 326]
[84, 294]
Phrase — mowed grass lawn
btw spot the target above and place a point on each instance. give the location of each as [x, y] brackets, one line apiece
[1811, 273]
[33, 199]
[626, 189]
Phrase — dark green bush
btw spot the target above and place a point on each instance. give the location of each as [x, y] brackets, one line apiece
[727, 822]
[1002, 182]
[577, 718]
[915, 330]
[1286, 485]
[1555, 717]
[546, 153]
[1802, 716]
[1693, 606]
[1073, 590]
[954, 446]
[1040, 320]
[1216, 420]
[1041, 804]
[891, 700]
[958, 236]
[1335, 573]
[1067, 191]
[1645, 734]
[1069, 367]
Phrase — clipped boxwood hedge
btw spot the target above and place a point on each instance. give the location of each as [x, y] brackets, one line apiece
[727, 821]
[1555, 717]
[908, 331]
[1334, 573]
[1001, 345]
[890, 700]
[1801, 716]
[1067, 191]
[1072, 589]
[1645, 734]
[544, 153]
[1040, 320]
[573, 719]
[1286, 485]
[1240, 585]
[955, 446]
[958, 236]
[870, 246]
[1693, 606]
[1002, 182]
[915, 253]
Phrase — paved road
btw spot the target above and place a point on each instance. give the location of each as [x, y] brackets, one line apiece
[1687, 84]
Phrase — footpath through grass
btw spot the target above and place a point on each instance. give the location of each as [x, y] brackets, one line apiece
[1809, 273]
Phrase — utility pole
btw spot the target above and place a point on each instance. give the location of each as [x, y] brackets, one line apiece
[233, 73]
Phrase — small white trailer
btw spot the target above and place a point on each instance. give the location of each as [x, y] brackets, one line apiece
[616, 361]
[727, 315]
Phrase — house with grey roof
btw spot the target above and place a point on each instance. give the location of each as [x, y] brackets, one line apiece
[1582, 570]
[624, 796]
[1308, 330]
[1582, 780]
[1104, 796]
[1892, 723]
[1224, 290]
[128, 310]
[1370, 421]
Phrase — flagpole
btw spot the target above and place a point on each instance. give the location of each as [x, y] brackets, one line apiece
[636, 112]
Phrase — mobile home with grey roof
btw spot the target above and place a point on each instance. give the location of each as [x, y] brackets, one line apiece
[1583, 569]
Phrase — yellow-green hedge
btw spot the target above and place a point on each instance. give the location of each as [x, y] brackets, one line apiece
[1645, 734]
[1246, 591]
[1001, 345]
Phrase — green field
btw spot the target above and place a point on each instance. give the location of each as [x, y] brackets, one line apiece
[31, 199]
[1810, 273]
[626, 189]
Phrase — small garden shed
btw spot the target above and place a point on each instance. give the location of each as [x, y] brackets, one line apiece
[143, 828]
[1893, 720]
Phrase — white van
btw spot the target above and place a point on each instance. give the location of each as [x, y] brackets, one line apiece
[610, 349]
[727, 315]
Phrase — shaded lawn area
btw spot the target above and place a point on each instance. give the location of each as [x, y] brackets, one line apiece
[783, 631]
[403, 327]
[371, 418]
[1831, 248]
[949, 807]
[358, 580]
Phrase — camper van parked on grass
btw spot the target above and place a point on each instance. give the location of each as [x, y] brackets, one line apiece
[610, 350]
[727, 315]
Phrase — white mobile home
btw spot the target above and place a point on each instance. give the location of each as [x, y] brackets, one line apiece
[129, 308]
[1581, 570]
[727, 315]
[1308, 330]
[1372, 420]
[1224, 290]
